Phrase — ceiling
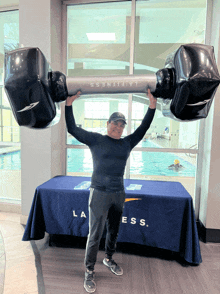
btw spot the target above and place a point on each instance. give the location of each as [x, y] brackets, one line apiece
[4, 3]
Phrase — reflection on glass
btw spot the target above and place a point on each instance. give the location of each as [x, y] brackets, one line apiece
[99, 39]
[164, 132]
[161, 27]
[100, 47]
[93, 113]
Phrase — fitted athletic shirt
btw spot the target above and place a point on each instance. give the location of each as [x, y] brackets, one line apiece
[109, 155]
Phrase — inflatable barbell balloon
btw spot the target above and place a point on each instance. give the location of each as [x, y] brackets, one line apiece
[188, 81]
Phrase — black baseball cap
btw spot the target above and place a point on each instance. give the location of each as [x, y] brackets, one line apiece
[117, 116]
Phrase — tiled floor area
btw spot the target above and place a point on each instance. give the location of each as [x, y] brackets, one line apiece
[17, 260]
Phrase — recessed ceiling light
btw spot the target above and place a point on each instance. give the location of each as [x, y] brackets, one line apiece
[101, 36]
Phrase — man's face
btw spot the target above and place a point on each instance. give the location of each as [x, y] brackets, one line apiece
[115, 129]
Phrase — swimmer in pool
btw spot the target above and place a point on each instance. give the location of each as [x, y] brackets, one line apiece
[176, 166]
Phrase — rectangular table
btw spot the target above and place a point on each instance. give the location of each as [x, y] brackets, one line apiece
[159, 214]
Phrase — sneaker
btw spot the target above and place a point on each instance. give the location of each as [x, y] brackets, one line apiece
[112, 265]
[89, 283]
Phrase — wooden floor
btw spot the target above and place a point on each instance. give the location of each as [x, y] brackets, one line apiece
[61, 270]
[35, 267]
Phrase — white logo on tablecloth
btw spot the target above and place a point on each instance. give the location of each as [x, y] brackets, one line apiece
[125, 219]
[81, 215]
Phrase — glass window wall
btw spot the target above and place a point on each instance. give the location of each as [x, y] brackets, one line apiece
[161, 28]
[100, 47]
[100, 44]
[10, 162]
[99, 39]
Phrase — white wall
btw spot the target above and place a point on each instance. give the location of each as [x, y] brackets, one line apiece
[213, 201]
[209, 179]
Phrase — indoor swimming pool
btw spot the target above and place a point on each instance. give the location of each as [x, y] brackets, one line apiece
[10, 161]
[142, 163]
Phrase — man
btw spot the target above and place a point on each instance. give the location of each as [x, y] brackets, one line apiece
[109, 153]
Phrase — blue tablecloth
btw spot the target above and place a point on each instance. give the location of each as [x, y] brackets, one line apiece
[156, 213]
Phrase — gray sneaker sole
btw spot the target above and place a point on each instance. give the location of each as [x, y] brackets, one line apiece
[89, 290]
[117, 274]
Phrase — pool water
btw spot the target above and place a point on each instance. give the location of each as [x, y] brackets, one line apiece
[142, 163]
[156, 163]
[10, 161]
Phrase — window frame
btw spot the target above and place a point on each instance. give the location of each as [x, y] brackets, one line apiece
[195, 151]
[3, 107]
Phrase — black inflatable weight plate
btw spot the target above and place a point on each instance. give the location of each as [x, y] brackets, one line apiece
[28, 87]
[197, 79]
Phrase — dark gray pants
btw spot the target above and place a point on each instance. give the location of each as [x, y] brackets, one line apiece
[104, 207]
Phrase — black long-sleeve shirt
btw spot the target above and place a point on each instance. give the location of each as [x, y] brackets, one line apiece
[109, 155]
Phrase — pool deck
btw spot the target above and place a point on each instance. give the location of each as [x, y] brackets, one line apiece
[9, 149]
